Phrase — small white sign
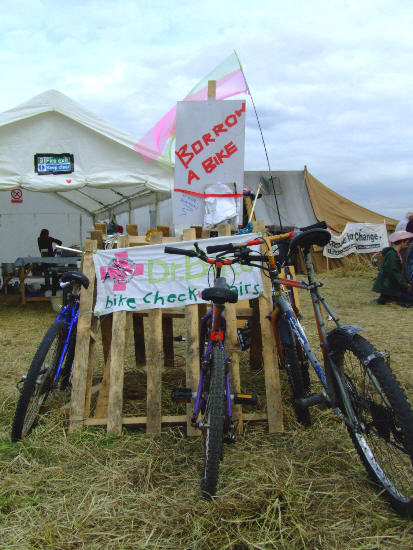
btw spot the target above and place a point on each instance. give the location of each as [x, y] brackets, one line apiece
[357, 237]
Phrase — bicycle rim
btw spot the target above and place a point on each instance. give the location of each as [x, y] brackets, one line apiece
[384, 438]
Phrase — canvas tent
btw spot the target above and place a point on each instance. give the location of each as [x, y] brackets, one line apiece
[108, 175]
[302, 200]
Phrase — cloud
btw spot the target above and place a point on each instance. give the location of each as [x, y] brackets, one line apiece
[331, 79]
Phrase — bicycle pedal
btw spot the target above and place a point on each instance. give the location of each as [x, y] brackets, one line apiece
[181, 395]
[245, 399]
[230, 439]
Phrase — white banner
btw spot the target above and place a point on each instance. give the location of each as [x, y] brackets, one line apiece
[144, 277]
[357, 237]
[210, 142]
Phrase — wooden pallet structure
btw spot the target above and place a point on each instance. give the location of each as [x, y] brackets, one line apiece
[155, 349]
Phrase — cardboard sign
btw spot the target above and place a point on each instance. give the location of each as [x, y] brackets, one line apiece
[210, 143]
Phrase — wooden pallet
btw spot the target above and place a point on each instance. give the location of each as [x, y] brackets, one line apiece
[154, 349]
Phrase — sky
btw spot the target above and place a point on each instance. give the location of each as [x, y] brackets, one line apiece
[332, 80]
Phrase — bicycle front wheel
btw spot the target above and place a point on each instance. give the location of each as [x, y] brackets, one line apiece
[213, 421]
[384, 435]
[39, 380]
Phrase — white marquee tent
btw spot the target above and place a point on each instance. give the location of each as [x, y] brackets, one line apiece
[108, 175]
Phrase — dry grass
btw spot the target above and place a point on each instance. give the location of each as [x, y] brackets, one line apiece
[299, 489]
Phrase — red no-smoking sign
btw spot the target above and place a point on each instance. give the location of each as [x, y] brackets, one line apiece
[16, 195]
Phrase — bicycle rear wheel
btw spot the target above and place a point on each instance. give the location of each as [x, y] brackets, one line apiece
[39, 380]
[292, 361]
[213, 421]
[384, 437]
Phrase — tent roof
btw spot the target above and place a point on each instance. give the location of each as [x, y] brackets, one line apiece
[336, 210]
[303, 200]
[107, 168]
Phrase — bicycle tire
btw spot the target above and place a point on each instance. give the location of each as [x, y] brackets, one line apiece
[298, 382]
[38, 382]
[384, 440]
[214, 425]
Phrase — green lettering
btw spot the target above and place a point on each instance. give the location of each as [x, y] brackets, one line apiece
[109, 303]
[157, 265]
[183, 298]
[171, 298]
[189, 266]
[174, 268]
[147, 296]
[131, 303]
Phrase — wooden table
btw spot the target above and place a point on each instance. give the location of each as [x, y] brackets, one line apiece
[25, 265]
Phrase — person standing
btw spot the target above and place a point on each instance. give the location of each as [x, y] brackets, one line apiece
[402, 225]
[390, 281]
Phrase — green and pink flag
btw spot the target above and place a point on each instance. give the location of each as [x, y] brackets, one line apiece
[157, 143]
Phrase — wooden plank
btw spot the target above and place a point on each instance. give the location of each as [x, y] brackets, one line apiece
[269, 355]
[255, 337]
[139, 340]
[169, 419]
[81, 359]
[168, 342]
[98, 237]
[164, 229]
[192, 367]
[212, 89]
[132, 229]
[100, 227]
[137, 420]
[106, 324]
[154, 373]
[121, 324]
[91, 365]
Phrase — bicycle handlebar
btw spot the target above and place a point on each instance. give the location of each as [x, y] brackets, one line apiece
[180, 251]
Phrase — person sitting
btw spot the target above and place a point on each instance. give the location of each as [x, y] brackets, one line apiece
[390, 281]
[45, 244]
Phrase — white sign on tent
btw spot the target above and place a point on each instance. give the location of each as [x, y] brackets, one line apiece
[210, 142]
[357, 237]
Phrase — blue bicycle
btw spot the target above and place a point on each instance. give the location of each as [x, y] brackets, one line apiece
[52, 364]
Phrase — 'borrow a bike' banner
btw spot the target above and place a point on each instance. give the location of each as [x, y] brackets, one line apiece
[144, 277]
[357, 237]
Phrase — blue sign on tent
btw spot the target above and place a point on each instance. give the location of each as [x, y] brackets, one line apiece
[51, 163]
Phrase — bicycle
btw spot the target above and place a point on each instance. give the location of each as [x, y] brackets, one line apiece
[53, 360]
[358, 384]
[212, 412]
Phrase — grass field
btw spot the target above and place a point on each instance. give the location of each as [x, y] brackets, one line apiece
[304, 488]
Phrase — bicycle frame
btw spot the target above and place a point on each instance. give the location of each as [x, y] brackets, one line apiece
[217, 337]
[330, 377]
[69, 316]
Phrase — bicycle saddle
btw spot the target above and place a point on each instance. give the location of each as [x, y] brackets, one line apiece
[305, 239]
[69, 276]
